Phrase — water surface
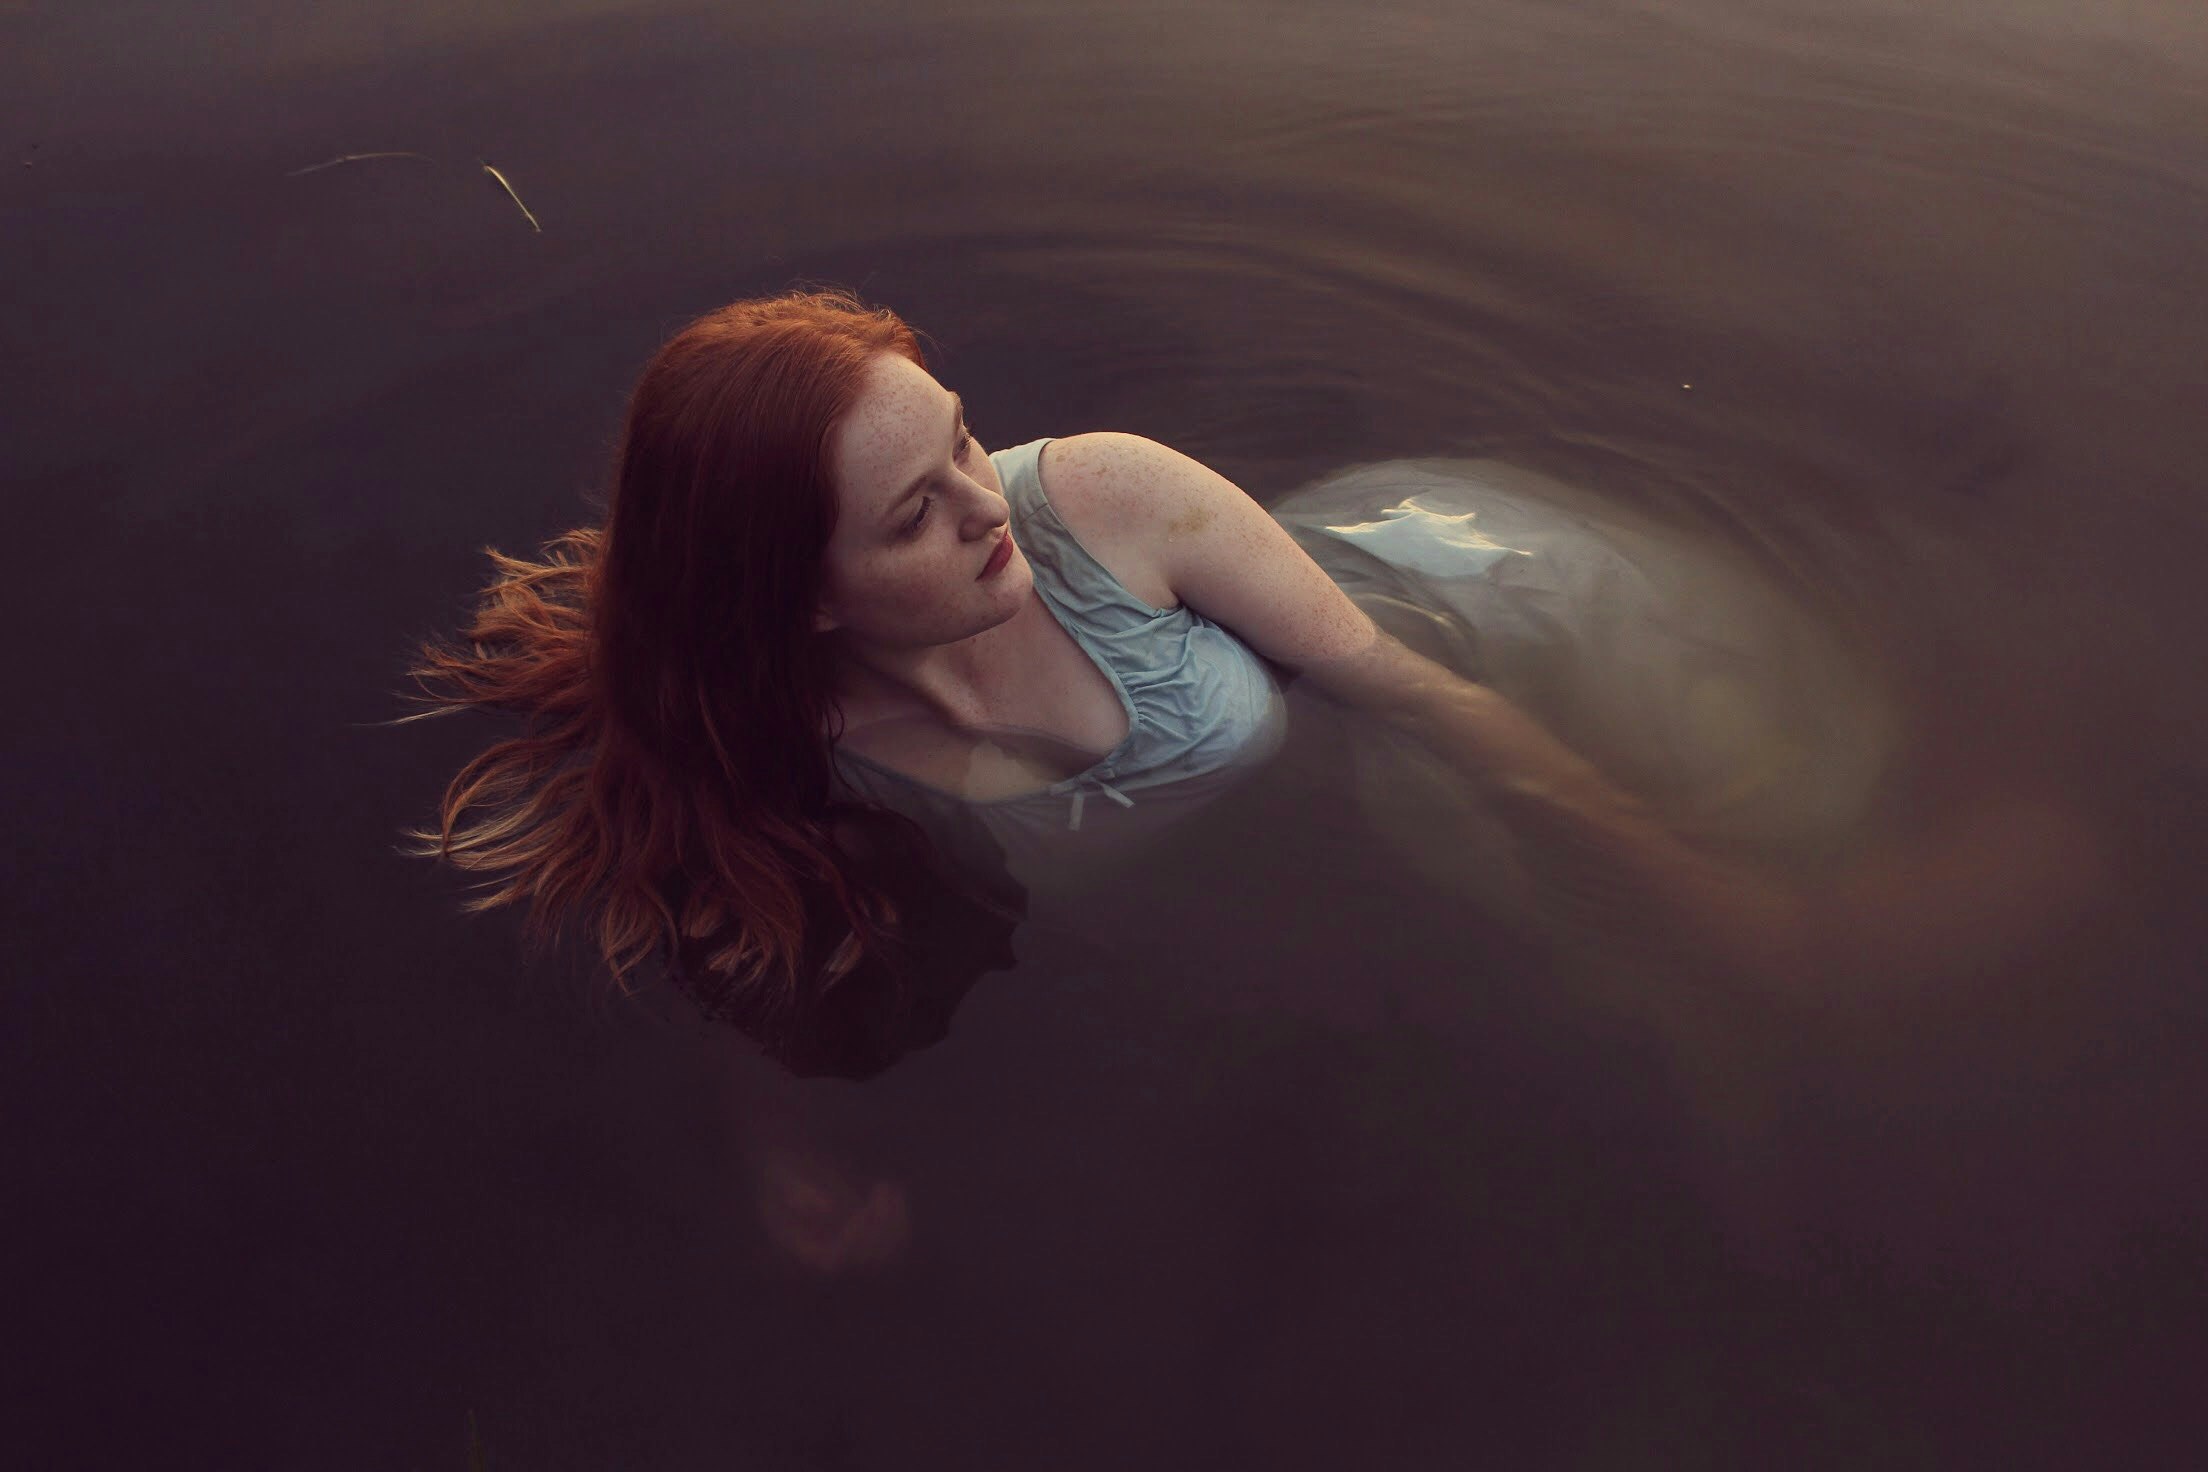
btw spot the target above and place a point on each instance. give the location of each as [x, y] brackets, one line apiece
[1908, 307]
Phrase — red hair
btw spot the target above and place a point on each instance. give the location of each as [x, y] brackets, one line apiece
[674, 779]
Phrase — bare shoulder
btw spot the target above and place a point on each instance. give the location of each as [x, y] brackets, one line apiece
[1102, 489]
[1170, 509]
[1213, 548]
[1132, 478]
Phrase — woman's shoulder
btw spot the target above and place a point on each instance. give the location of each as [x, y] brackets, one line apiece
[1082, 478]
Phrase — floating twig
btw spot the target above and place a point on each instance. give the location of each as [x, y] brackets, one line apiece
[346, 158]
[500, 180]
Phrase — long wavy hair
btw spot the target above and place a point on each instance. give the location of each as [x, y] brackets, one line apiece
[673, 779]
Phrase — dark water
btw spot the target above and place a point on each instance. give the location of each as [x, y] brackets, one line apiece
[306, 1167]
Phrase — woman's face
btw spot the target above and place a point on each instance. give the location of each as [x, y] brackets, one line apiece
[919, 510]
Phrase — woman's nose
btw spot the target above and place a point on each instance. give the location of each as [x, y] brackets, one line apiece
[991, 508]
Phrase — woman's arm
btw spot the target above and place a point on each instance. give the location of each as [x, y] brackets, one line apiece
[2009, 865]
[1603, 860]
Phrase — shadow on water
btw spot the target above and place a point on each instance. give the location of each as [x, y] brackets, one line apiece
[1280, 1149]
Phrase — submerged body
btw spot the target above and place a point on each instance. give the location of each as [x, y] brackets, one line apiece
[1597, 726]
[1105, 707]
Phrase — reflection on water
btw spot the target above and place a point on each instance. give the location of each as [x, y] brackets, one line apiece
[1284, 1153]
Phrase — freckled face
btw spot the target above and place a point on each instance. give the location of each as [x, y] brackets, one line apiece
[919, 510]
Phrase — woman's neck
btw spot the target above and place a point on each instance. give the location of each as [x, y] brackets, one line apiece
[962, 683]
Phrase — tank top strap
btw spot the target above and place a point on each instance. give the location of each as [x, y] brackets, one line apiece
[1020, 468]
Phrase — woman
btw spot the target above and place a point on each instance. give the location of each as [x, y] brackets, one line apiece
[831, 685]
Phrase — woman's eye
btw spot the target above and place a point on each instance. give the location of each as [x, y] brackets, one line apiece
[965, 443]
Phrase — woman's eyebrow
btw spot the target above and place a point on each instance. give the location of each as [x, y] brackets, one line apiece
[958, 417]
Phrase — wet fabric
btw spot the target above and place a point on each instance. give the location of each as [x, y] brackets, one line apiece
[1672, 662]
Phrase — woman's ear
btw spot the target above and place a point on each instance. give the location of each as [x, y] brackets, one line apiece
[823, 621]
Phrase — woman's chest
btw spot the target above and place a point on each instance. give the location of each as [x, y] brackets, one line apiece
[1062, 715]
[1057, 711]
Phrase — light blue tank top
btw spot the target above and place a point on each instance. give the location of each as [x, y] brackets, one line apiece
[1204, 710]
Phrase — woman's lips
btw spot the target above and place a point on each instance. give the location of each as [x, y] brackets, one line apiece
[997, 559]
